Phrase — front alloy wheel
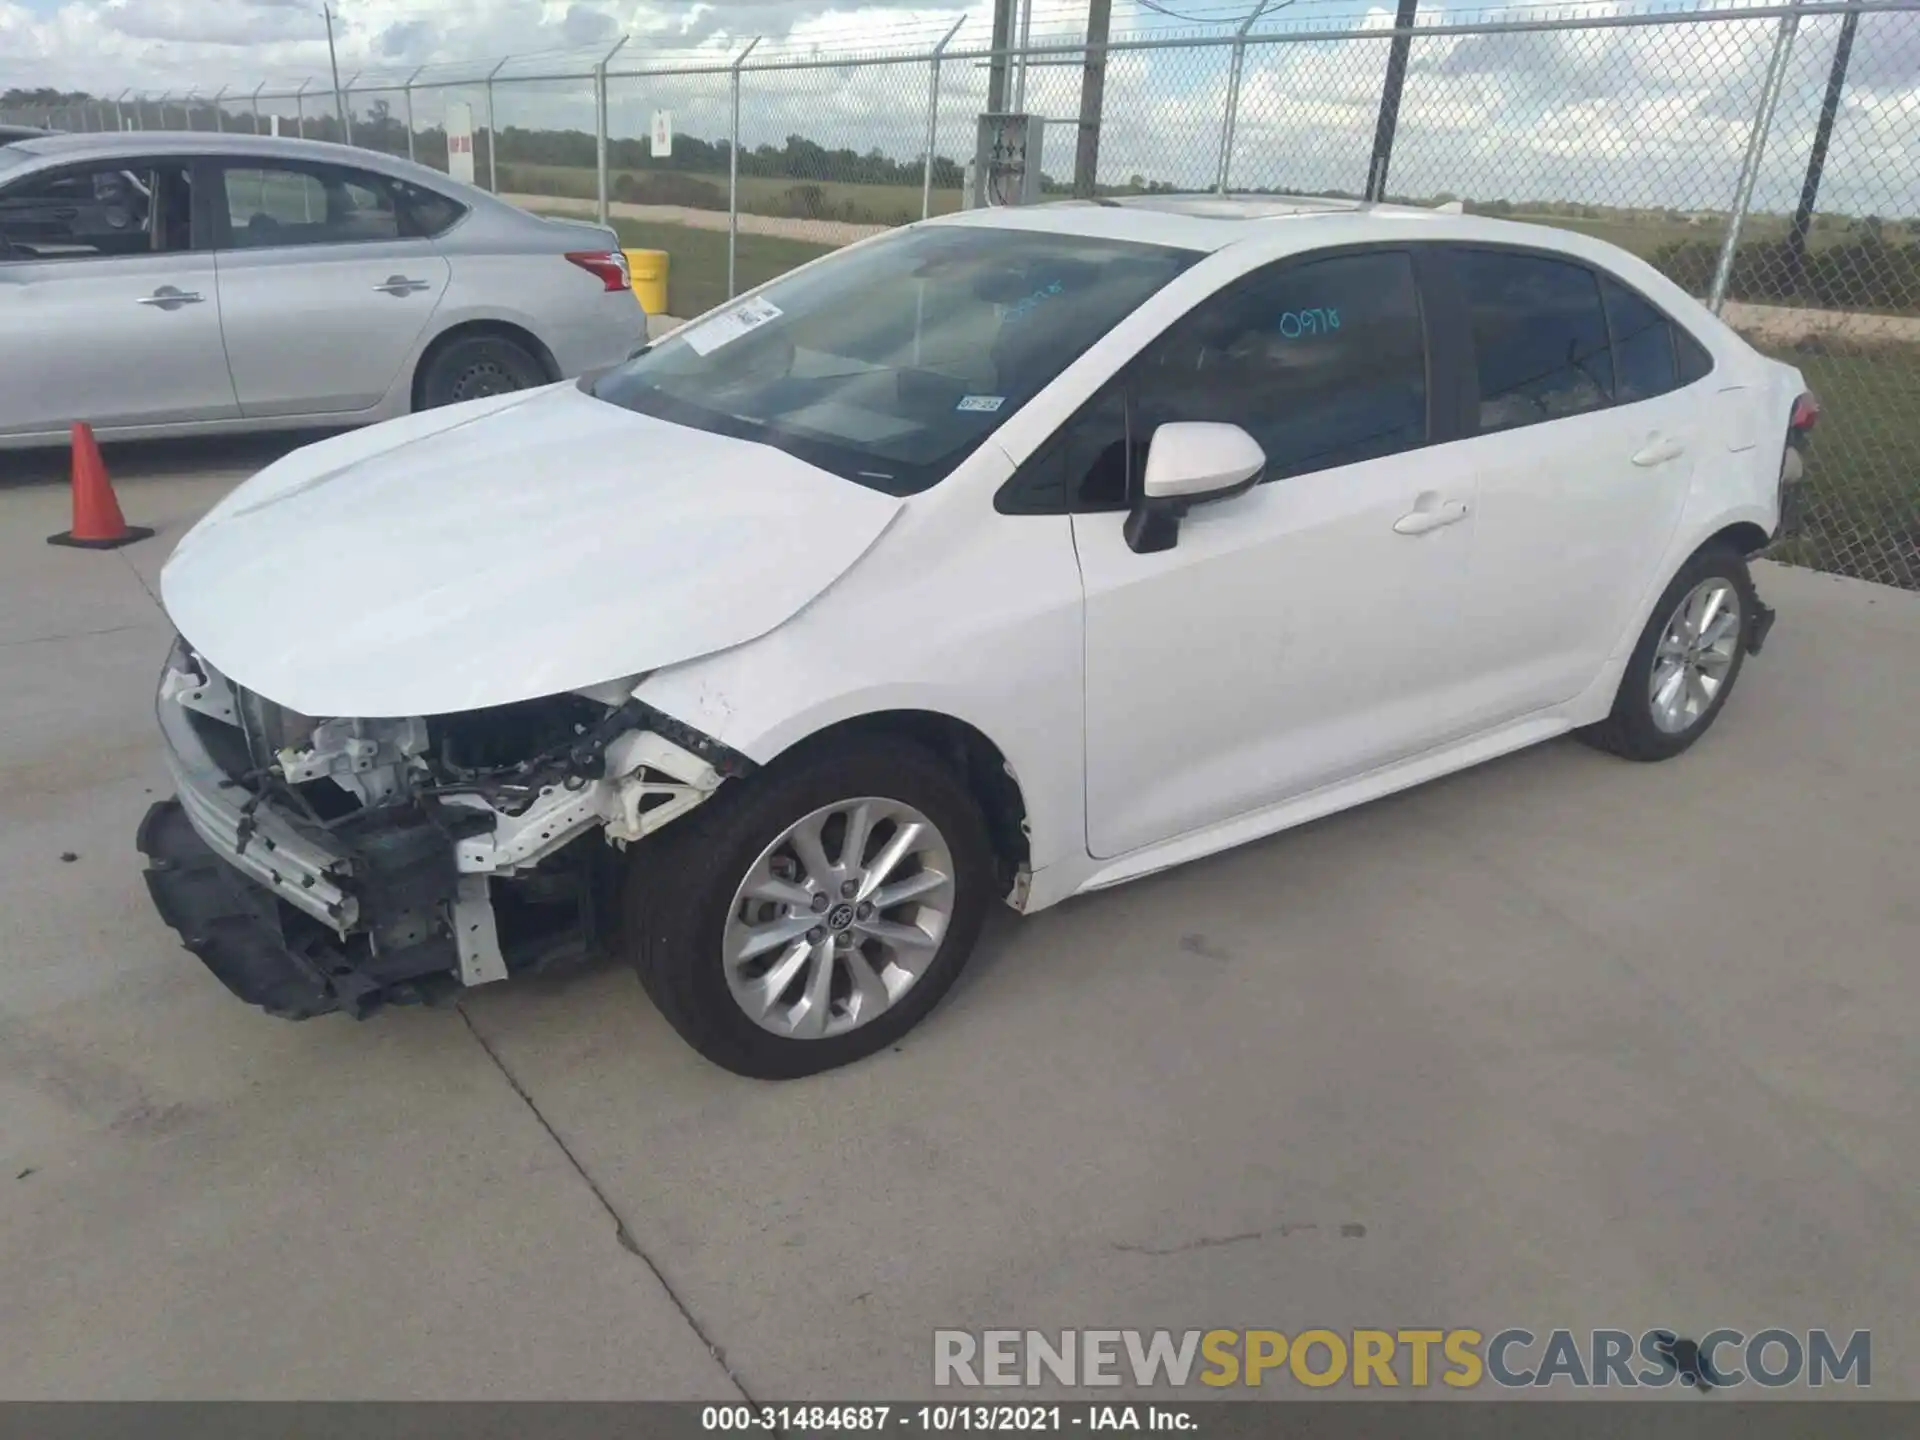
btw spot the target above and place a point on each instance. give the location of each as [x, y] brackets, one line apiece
[837, 918]
[814, 912]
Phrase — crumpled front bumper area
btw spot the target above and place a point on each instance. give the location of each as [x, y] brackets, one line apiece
[282, 912]
[261, 948]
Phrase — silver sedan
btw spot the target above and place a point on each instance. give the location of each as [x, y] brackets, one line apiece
[161, 284]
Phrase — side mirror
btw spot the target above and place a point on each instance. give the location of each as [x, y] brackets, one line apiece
[1190, 463]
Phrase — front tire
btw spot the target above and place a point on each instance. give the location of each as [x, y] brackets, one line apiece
[1686, 662]
[813, 914]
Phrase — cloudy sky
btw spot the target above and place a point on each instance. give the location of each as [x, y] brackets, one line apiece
[1652, 115]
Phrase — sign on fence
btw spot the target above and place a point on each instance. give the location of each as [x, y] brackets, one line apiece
[662, 134]
[460, 140]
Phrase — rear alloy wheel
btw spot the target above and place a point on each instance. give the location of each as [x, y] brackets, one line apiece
[814, 913]
[1685, 663]
[478, 366]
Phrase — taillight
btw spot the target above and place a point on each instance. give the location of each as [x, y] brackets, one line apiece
[609, 265]
[1806, 410]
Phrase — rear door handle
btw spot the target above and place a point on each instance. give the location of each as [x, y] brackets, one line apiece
[168, 298]
[401, 285]
[1419, 520]
[1658, 450]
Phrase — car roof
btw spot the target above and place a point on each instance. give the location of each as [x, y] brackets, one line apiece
[1210, 222]
[109, 144]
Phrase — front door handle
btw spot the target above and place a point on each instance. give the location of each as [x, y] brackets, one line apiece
[400, 285]
[168, 298]
[1421, 519]
[1658, 450]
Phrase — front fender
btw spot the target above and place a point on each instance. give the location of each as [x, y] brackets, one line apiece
[979, 622]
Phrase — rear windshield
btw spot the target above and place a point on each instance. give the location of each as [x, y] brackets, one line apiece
[892, 362]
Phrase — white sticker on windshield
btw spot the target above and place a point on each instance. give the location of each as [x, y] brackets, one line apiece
[984, 404]
[729, 325]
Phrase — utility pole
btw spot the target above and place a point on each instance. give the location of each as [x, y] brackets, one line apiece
[1093, 93]
[1817, 158]
[339, 100]
[1396, 79]
[997, 62]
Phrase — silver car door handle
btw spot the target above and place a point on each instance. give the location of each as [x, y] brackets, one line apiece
[1419, 522]
[400, 285]
[1658, 450]
[167, 298]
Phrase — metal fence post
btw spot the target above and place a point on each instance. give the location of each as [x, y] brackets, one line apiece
[256, 106]
[493, 136]
[1231, 120]
[1020, 75]
[733, 172]
[119, 115]
[407, 90]
[1817, 157]
[300, 109]
[346, 107]
[933, 116]
[600, 125]
[1390, 90]
[186, 105]
[1750, 165]
[219, 111]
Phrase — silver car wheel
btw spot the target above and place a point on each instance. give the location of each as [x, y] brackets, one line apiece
[1696, 651]
[838, 918]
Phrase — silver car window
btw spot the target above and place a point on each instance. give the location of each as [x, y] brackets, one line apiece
[82, 212]
[272, 205]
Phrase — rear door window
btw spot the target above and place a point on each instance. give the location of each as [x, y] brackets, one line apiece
[268, 206]
[1643, 345]
[1539, 337]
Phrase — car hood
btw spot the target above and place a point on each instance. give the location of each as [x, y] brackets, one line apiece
[505, 549]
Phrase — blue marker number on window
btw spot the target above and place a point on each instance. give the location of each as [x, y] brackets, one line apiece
[1296, 323]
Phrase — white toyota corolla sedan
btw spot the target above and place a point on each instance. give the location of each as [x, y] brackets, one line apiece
[1006, 556]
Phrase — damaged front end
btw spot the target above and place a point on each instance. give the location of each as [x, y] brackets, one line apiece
[324, 863]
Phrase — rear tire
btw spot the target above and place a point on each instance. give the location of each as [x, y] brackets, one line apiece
[693, 903]
[478, 365]
[1678, 678]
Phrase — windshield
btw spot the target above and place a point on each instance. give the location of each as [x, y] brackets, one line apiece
[889, 364]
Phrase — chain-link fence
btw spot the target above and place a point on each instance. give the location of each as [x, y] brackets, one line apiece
[1766, 157]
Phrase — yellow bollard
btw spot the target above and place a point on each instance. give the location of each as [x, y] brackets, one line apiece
[649, 269]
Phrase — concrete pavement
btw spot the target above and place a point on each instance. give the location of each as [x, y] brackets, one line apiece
[1560, 1042]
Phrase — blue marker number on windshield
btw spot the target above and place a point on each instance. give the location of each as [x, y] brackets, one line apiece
[1024, 306]
[1296, 323]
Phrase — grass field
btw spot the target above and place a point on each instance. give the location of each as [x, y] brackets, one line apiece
[1863, 470]
[759, 194]
[697, 261]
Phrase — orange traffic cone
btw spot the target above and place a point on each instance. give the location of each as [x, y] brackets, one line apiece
[97, 521]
